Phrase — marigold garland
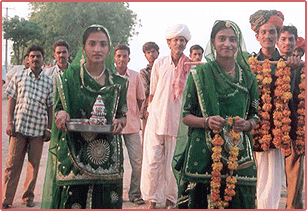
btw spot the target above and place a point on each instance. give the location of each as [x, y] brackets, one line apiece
[218, 165]
[281, 114]
[262, 136]
[300, 139]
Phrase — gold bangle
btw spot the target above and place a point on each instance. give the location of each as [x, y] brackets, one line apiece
[56, 114]
[206, 122]
[49, 130]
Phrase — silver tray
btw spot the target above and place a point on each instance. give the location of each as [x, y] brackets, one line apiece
[77, 126]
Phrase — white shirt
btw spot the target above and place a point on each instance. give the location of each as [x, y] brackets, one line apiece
[164, 110]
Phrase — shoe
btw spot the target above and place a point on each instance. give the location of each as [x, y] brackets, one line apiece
[151, 205]
[6, 206]
[138, 201]
[29, 203]
[169, 204]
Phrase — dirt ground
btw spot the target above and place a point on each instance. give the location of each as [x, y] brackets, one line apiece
[17, 204]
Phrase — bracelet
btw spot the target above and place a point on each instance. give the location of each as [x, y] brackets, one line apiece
[56, 113]
[49, 130]
[206, 122]
[11, 122]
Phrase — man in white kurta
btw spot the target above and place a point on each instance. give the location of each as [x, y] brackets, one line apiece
[168, 78]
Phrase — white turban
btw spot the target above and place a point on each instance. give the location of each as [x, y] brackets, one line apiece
[178, 30]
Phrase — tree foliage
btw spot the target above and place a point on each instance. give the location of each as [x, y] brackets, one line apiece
[21, 32]
[68, 20]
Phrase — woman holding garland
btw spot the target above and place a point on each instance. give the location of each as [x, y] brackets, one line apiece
[220, 109]
[78, 175]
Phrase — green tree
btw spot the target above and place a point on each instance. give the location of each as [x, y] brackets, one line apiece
[68, 20]
[20, 32]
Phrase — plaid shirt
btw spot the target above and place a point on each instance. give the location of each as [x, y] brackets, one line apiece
[33, 97]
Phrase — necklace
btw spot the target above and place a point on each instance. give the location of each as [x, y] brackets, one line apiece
[96, 77]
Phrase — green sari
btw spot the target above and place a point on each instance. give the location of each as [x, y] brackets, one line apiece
[211, 91]
[77, 176]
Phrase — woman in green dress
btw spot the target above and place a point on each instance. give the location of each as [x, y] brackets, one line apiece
[218, 92]
[85, 170]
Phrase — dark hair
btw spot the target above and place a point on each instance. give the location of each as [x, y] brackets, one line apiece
[25, 55]
[60, 43]
[94, 28]
[291, 29]
[220, 25]
[121, 47]
[196, 47]
[149, 45]
[36, 48]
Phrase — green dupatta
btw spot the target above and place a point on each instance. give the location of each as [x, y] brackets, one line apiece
[210, 84]
[76, 92]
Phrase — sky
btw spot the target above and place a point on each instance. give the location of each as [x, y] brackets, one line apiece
[156, 17]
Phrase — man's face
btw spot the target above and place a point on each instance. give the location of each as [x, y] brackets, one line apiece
[286, 43]
[151, 55]
[196, 55]
[61, 54]
[267, 36]
[36, 60]
[177, 44]
[26, 62]
[121, 58]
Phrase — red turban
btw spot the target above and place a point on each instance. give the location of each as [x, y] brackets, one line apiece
[261, 17]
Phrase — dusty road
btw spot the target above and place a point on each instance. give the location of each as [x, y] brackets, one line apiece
[17, 204]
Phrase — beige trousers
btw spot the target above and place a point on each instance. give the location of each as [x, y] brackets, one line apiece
[294, 167]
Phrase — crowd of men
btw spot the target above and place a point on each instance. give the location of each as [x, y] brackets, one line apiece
[151, 153]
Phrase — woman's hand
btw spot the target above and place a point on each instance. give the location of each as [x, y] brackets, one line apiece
[119, 125]
[61, 118]
[215, 122]
[241, 125]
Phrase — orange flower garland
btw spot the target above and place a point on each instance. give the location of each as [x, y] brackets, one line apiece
[300, 139]
[218, 165]
[261, 132]
[281, 114]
